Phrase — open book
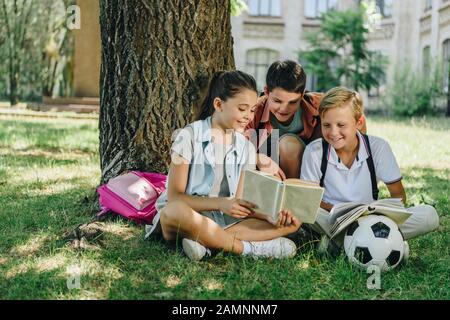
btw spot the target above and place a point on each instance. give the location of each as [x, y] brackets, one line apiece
[343, 214]
[271, 195]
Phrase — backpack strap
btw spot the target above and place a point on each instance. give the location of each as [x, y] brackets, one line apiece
[371, 166]
[103, 211]
[324, 163]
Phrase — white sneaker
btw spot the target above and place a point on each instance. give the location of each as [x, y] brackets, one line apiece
[277, 248]
[150, 228]
[194, 250]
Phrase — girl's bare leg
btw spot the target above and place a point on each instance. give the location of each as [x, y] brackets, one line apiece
[178, 219]
[258, 230]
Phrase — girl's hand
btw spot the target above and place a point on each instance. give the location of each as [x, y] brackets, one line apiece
[286, 219]
[267, 165]
[236, 208]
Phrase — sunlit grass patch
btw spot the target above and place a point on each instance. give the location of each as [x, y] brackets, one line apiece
[30, 247]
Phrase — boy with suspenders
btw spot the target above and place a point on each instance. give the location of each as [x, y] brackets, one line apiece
[349, 165]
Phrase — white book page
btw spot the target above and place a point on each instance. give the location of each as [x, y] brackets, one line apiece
[263, 191]
[303, 201]
[392, 208]
[341, 209]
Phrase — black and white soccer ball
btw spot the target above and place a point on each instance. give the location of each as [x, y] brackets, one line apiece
[375, 240]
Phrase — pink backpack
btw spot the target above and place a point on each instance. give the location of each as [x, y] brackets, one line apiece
[132, 195]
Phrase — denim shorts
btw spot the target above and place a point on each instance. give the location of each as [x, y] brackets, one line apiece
[223, 220]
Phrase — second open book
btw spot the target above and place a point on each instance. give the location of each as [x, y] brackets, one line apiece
[343, 214]
[272, 195]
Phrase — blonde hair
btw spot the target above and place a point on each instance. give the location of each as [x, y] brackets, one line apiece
[340, 97]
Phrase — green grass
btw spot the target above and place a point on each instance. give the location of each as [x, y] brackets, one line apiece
[49, 169]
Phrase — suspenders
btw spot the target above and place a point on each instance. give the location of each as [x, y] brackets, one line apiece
[324, 163]
[370, 164]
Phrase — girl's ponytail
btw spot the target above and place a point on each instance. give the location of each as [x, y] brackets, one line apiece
[224, 85]
[207, 107]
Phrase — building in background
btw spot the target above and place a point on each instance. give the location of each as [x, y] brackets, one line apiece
[410, 31]
[87, 51]
[86, 65]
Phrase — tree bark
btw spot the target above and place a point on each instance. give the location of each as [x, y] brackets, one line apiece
[14, 88]
[157, 59]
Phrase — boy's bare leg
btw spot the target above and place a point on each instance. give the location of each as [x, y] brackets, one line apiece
[291, 154]
[178, 219]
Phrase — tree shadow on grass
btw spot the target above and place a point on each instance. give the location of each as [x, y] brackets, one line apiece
[39, 161]
[32, 241]
[29, 284]
[67, 279]
[46, 136]
[27, 214]
[3, 176]
[428, 186]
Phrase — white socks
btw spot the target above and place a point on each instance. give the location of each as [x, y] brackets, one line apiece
[247, 248]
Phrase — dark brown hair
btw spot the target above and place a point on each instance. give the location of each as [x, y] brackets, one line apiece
[225, 85]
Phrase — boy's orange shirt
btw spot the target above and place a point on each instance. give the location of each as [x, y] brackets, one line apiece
[310, 117]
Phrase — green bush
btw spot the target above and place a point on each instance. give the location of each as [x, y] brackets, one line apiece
[38, 49]
[413, 93]
[339, 54]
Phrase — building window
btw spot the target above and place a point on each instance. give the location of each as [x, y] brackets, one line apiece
[426, 60]
[446, 58]
[267, 8]
[384, 7]
[428, 5]
[314, 8]
[257, 63]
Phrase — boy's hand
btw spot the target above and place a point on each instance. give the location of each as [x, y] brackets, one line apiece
[236, 208]
[326, 206]
[267, 165]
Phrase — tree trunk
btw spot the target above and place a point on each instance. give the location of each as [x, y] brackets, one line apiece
[157, 58]
[14, 82]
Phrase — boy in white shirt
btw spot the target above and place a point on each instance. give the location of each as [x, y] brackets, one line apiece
[349, 164]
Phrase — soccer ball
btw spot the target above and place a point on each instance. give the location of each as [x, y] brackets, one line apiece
[375, 240]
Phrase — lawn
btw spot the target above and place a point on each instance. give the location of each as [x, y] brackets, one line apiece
[49, 169]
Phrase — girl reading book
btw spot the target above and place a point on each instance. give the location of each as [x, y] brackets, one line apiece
[208, 155]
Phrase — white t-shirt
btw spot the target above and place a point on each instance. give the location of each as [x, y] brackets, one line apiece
[220, 186]
[350, 185]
